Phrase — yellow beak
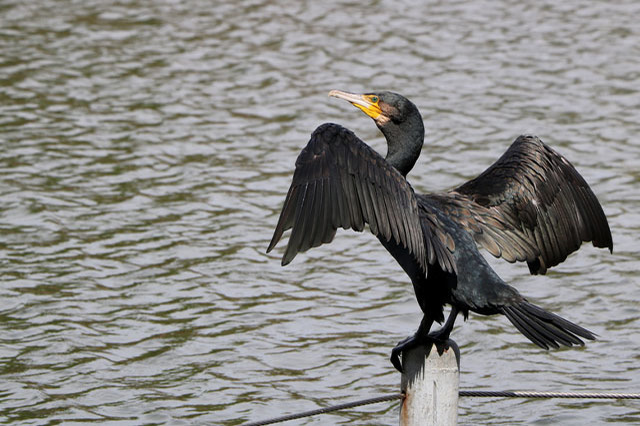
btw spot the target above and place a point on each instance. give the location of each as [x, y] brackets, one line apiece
[363, 102]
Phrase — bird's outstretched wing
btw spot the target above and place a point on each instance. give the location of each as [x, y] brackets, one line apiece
[340, 182]
[531, 205]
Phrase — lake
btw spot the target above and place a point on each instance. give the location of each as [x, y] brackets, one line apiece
[146, 150]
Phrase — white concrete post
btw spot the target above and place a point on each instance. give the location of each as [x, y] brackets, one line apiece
[430, 382]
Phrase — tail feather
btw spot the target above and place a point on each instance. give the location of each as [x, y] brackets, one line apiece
[544, 328]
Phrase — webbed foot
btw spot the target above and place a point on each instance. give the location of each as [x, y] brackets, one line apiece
[440, 336]
[408, 343]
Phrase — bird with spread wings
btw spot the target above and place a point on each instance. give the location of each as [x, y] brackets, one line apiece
[530, 206]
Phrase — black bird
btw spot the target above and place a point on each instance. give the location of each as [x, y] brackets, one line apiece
[531, 205]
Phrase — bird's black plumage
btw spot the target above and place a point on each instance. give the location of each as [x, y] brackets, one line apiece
[530, 205]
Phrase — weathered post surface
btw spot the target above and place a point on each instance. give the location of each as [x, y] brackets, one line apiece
[430, 382]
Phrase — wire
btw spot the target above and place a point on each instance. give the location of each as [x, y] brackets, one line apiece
[462, 393]
[344, 406]
[521, 394]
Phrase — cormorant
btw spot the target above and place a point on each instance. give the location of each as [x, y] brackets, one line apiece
[530, 205]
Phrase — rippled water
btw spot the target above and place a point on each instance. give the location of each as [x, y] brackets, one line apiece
[146, 148]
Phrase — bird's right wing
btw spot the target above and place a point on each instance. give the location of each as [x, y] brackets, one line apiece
[340, 182]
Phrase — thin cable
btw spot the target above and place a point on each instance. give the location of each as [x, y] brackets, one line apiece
[462, 393]
[520, 394]
[344, 406]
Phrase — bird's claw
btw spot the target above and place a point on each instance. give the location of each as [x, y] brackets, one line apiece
[438, 337]
[395, 359]
[408, 343]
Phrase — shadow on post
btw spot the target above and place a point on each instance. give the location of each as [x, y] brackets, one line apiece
[430, 382]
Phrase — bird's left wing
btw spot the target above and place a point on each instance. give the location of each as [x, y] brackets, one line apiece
[532, 205]
[340, 182]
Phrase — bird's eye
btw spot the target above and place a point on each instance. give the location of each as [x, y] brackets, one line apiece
[374, 99]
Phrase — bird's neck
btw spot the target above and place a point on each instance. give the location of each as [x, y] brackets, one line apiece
[405, 143]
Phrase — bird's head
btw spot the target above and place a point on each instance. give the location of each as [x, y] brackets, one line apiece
[398, 119]
[384, 107]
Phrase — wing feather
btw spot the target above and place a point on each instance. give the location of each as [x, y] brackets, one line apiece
[532, 205]
[340, 182]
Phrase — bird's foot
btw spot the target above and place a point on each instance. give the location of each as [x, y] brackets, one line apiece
[440, 338]
[406, 344]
